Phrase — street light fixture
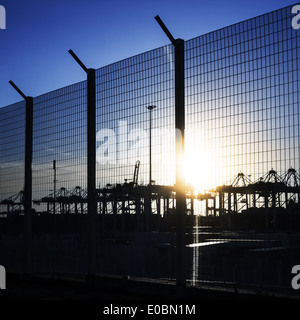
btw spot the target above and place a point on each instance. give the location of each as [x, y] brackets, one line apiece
[150, 108]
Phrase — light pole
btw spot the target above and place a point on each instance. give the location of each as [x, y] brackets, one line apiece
[150, 108]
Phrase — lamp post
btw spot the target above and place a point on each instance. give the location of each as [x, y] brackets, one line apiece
[150, 108]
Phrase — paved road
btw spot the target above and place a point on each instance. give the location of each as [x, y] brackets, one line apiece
[22, 289]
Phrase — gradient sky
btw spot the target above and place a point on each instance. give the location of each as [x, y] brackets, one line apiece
[34, 47]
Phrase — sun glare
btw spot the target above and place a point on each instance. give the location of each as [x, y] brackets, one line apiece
[201, 165]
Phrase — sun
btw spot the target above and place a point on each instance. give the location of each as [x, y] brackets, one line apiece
[201, 165]
[200, 172]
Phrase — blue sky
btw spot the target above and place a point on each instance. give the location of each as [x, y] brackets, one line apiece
[34, 47]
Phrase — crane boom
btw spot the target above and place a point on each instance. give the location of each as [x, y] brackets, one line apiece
[136, 173]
